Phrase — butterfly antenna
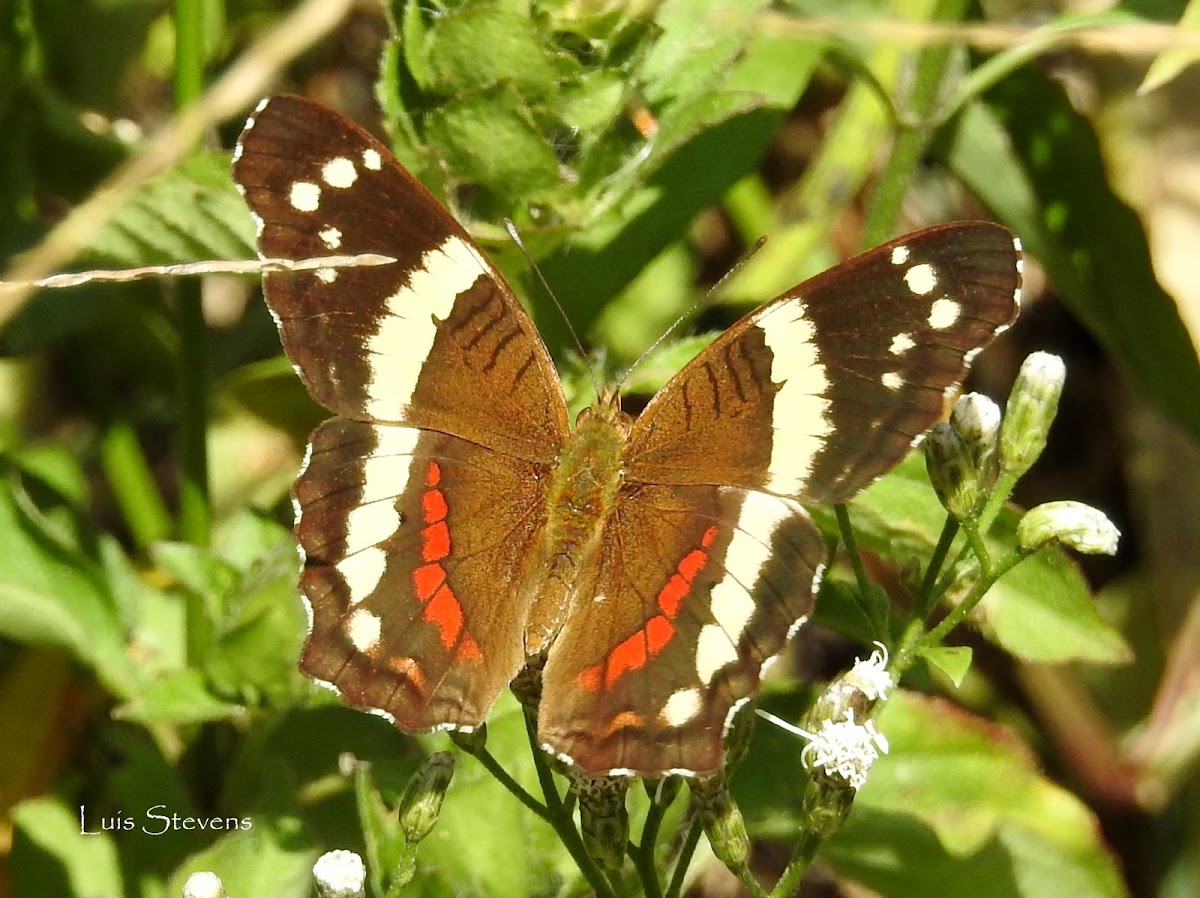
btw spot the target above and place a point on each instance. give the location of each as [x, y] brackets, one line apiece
[516, 238]
[691, 310]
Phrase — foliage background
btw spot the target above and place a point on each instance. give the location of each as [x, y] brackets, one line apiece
[148, 431]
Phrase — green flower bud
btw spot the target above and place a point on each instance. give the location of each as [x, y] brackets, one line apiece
[951, 470]
[976, 418]
[422, 800]
[1031, 408]
[1074, 524]
[723, 823]
[203, 884]
[340, 874]
[603, 817]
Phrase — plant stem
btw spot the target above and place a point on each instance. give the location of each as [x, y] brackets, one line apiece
[685, 860]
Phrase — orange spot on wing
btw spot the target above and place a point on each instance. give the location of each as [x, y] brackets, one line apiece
[710, 536]
[469, 650]
[623, 720]
[433, 476]
[435, 542]
[427, 578]
[410, 670]
[589, 679]
[444, 611]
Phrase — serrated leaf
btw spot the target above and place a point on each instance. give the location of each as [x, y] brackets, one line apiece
[1000, 828]
[189, 213]
[489, 137]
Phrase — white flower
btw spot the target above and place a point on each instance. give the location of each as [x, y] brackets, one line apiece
[203, 884]
[869, 675]
[845, 749]
[340, 874]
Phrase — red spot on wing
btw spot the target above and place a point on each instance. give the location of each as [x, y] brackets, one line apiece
[442, 607]
[656, 633]
[629, 655]
[433, 506]
[435, 542]
[671, 597]
[673, 594]
[444, 612]
[427, 578]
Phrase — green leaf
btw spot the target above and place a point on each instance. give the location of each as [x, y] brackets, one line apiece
[486, 842]
[952, 660]
[489, 137]
[182, 697]
[958, 806]
[189, 213]
[52, 594]
[267, 858]
[51, 856]
[1170, 63]
[1043, 173]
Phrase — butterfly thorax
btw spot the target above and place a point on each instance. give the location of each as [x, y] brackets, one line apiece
[581, 496]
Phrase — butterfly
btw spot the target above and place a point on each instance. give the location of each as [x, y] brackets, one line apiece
[458, 529]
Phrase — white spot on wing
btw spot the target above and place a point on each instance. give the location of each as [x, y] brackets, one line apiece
[339, 172]
[682, 706]
[892, 380]
[305, 196]
[713, 651]
[363, 629]
[921, 279]
[901, 343]
[331, 237]
[748, 552]
[407, 329]
[375, 517]
[326, 275]
[801, 420]
[899, 254]
[943, 313]
[371, 159]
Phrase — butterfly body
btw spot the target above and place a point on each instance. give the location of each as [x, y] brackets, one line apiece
[455, 530]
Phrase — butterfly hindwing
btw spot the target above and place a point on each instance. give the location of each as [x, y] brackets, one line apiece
[820, 391]
[414, 543]
[695, 590]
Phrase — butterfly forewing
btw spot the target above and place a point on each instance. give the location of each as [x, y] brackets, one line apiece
[817, 393]
[436, 340]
